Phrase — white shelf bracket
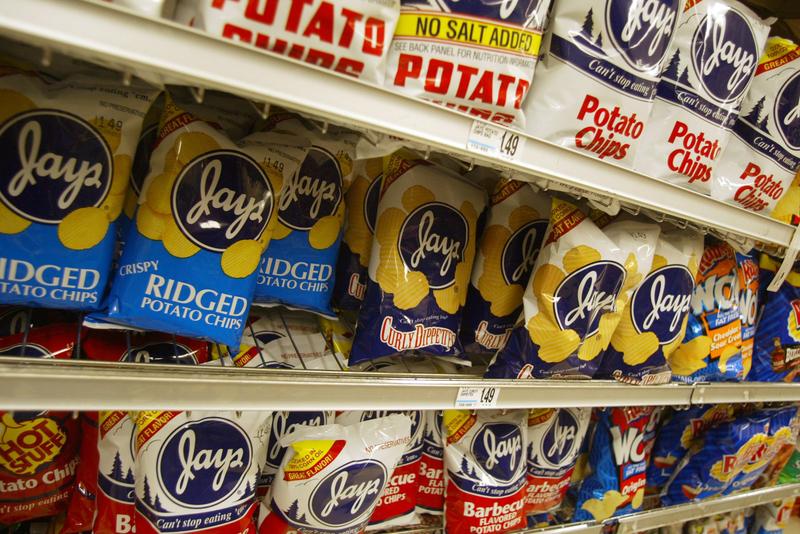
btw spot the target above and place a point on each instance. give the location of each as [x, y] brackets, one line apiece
[791, 256]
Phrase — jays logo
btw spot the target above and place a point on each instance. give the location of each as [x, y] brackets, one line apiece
[161, 353]
[203, 463]
[28, 350]
[585, 294]
[724, 54]
[641, 30]
[53, 163]
[432, 240]
[371, 203]
[284, 423]
[520, 251]
[498, 449]
[315, 190]
[787, 112]
[560, 441]
[662, 301]
[348, 495]
[221, 197]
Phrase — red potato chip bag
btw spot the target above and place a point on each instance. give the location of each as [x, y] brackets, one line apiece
[115, 474]
[82, 504]
[485, 459]
[144, 347]
[38, 450]
[430, 495]
[397, 503]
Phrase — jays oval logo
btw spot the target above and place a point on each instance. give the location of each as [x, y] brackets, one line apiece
[560, 441]
[53, 163]
[787, 112]
[348, 495]
[284, 423]
[432, 240]
[314, 191]
[724, 54]
[585, 294]
[498, 450]
[161, 352]
[662, 301]
[641, 30]
[203, 463]
[371, 203]
[221, 197]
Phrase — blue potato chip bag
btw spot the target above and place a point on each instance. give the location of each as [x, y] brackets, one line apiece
[776, 351]
[714, 461]
[421, 260]
[618, 458]
[582, 280]
[514, 231]
[749, 280]
[205, 215]
[675, 436]
[66, 148]
[654, 321]
[299, 268]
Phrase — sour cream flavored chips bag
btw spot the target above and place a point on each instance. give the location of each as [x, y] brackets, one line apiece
[595, 84]
[711, 65]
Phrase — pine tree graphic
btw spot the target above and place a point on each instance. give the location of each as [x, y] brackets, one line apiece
[755, 113]
[248, 490]
[157, 505]
[684, 79]
[129, 477]
[146, 490]
[764, 124]
[116, 469]
[588, 24]
[671, 70]
[464, 466]
[291, 513]
[599, 40]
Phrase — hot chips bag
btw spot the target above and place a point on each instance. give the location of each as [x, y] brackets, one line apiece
[515, 229]
[67, 150]
[654, 321]
[712, 347]
[425, 240]
[582, 280]
[207, 211]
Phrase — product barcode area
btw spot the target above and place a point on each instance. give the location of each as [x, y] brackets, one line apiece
[412, 266]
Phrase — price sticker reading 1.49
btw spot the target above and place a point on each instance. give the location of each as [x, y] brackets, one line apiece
[477, 397]
[495, 141]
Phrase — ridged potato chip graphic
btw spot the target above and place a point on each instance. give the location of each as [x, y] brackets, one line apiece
[325, 232]
[10, 222]
[356, 234]
[605, 508]
[175, 242]
[690, 356]
[158, 193]
[555, 345]
[188, 146]
[83, 228]
[12, 103]
[580, 256]
[149, 223]
[241, 259]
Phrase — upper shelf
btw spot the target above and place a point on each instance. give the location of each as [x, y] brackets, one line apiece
[169, 52]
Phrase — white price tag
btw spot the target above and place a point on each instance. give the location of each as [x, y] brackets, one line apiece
[477, 397]
[495, 141]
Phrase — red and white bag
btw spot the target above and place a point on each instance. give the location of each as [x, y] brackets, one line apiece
[397, 504]
[349, 36]
[710, 66]
[763, 154]
[597, 78]
[332, 476]
[485, 459]
[115, 474]
[430, 495]
[198, 470]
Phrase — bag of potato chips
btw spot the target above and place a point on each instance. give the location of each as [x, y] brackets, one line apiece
[776, 354]
[67, 149]
[298, 270]
[515, 228]
[420, 263]
[621, 447]
[712, 347]
[748, 272]
[582, 280]
[654, 321]
[205, 215]
[361, 203]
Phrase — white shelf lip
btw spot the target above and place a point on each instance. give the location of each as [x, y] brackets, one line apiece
[126, 41]
[38, 384]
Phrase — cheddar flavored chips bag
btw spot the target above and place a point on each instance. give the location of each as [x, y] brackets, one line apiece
[298, 269]
[654, 321]
[515, 229]
[581, 283]
[425, 240]
[206, 213]
[67, 149]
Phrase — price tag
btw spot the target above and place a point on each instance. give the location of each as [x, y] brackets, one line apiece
[495, 141]
[477, 397]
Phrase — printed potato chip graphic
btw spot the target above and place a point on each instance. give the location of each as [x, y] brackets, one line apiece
[514, 232]
[582, 280]
[711, 348]
[421, 260]
[207, 212]
[654, 322]
[67, 147]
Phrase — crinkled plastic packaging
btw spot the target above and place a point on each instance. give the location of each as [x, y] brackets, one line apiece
[776, 350]
[749, 280]
[430, 495]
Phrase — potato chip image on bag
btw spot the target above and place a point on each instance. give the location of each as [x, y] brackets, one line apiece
[581, 283]
[298, 269]
[206, 213]
[654, 321]
[515, 229]
[67, 150]
[711, 350]
[421, 261]
[361, 207]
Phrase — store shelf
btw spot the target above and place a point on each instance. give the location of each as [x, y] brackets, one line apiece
[36, 384]
[130, 43]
